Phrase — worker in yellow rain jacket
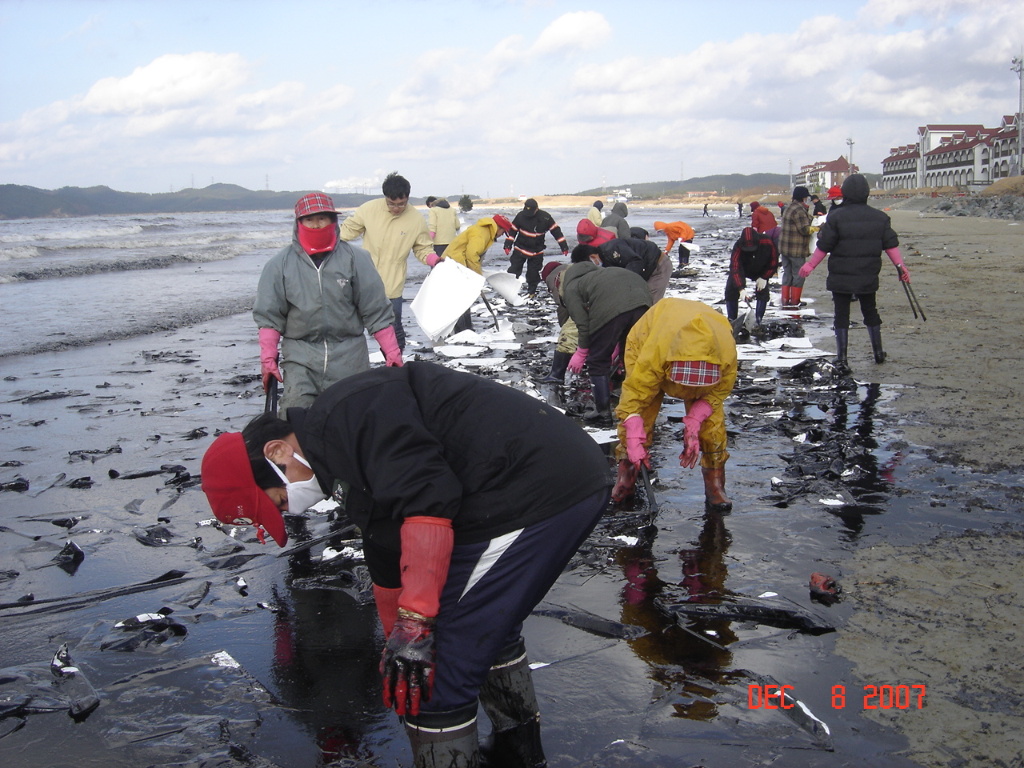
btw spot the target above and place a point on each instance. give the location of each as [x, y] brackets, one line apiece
[683, 349]
[468, 249]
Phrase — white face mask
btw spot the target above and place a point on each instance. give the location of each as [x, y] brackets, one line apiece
[302, 494]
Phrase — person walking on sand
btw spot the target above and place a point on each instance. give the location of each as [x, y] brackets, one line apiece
[471, 498]
[853, 237]
[754, 257]
[676, 231]
[314, 299]
[705, 211]
[794, 246]
[390, 229]
[468, 249]
[524, 243]
[442, 223]
[604, 303]
[739, 210]
[683, 349]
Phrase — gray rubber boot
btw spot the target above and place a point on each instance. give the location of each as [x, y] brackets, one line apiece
[509, 699]
[444, 739]
[875, 334]
[559, 365]
[601, 410]
[842, 341]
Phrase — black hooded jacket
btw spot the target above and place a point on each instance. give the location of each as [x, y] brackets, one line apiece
[392, 443]
[640, 256]
[855, 235]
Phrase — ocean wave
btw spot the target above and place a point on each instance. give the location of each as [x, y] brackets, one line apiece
[19, 252]
[193, 316]
[84, 267]
[73, 233]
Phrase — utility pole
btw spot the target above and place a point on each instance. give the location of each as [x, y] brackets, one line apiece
[849, 158]
[1017, 63]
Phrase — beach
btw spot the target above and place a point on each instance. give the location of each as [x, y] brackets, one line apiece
[107, 432]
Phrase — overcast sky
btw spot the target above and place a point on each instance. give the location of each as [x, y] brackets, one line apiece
[488, 97]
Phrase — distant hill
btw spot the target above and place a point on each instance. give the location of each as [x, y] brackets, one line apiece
[21, 202]
[726, 184]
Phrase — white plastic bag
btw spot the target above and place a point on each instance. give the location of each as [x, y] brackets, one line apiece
[448, 291]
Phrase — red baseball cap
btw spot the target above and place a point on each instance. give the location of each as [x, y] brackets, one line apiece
[502, 222]
[231, 489]
[314, 202]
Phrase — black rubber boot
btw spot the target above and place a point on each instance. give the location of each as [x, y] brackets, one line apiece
[732, 308]
[509, 699]
[760, 307]
[559, 365]
[601, 410]
[444, 739]
[875, 334]
[842, 340]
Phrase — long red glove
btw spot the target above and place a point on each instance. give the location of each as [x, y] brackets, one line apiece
[695, 417]
[578, 359]
[811, 263]
[389, 346]
[408, 662]
[897, 260]
[269, 339]
[387, 606]
[636, 436]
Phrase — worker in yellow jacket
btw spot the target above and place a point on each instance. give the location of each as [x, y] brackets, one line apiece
[683, 349]
[468, 249]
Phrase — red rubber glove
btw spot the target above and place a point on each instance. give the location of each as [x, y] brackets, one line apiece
[387, 606]
[636, 436]
[269, 339]
[408, 662]
[389, 346]
[625, 483]
[578, 359]
[692, 422]
[897, 261]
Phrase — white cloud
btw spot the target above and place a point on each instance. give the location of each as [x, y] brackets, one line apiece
[578, 30]
[167, 82]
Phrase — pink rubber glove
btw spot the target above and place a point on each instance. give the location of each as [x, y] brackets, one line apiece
[389, 346]
[269, 339]
[636, 436]
[578, 359]
[897, 260]
[815, 260]
[432, 259]
[692, 422]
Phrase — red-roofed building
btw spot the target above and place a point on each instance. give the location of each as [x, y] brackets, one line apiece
[953, 156]
[822, 175]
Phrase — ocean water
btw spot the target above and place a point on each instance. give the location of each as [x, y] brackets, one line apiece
[78, 281]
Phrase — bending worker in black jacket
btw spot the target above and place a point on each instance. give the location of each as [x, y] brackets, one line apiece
[471, 498]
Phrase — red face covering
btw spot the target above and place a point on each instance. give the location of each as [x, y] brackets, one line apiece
[315, 241]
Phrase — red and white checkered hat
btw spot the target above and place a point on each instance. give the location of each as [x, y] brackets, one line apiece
[314, 202]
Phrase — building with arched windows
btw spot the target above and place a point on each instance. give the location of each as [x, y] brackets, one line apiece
[966, 156]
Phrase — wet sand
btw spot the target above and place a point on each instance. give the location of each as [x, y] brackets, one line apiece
[947, 612]
[938, 610]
